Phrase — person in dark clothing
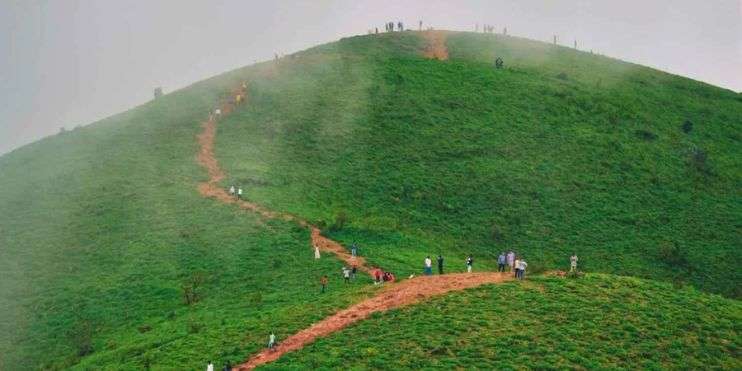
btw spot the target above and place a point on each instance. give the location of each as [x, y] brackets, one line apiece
[227, 366]
[501, 262]
[440, 264]
[400, 26]
[323, 282]
[353, 271]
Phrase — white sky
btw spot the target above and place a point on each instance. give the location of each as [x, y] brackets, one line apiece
[65, 62]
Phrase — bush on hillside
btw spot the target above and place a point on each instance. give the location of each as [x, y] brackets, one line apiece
[562, 76]
[673, 255]
[496, 233]
[191, 287]
[341, 218]
[646, 135]
[81, 337]
[698, 160]
[687, 126]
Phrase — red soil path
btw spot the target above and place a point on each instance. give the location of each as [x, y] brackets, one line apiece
[392, 296]
[436, 48]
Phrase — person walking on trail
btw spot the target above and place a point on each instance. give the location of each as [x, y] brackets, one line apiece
[271, 341]
[239, 193]
[440, 264]
[346, 274]
[377, 276]
[209, 366]
[516, 267]
[400, 26]
[354, 250]
[573, 262]
[353, 271]
[511, 260]
[501, 262]
[469, 263]
[522, 269]
[323, 282]
[316, 252]
[231, 191]
[428, 266]
[218, 112]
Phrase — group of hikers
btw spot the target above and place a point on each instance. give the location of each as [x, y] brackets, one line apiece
[235, 192]
[486, 28]
[400, 26]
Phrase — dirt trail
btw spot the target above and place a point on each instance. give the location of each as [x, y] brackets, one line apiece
[393, 296]
[436, 48]
[212, 189]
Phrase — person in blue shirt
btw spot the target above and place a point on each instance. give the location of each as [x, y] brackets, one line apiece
[501, 262]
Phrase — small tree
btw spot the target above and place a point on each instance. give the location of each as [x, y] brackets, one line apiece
[191, 287]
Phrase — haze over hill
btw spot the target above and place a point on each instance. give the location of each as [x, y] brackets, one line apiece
[113, 257]
[102, 58]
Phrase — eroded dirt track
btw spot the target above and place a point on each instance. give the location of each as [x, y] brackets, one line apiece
[392, 296]
[436, 48]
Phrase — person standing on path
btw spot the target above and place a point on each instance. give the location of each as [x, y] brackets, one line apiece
[354, 250]
[209, 366]
[316, 252]
[522, 269]
[469, 263]
[323, 282]
[501, 261]
[353, 271]
[511, 260]
[346, 274]
[428, 266]
[573, 262]
[239, 193]
[440, 264]
[516, 267]
[271, 341]
[231, 191]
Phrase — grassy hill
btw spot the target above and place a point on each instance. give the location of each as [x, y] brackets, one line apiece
[562, 151]
[596, 322]
[101, 228]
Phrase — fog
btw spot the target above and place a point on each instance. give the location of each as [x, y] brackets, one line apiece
[68, 63]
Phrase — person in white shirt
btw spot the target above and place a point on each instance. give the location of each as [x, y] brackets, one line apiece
[522, 269]
[210, 366]
[316, 252]
[239, 193]
[218, 112]
[511, 260]
[573, 262]
[231, 191]
[516, 267]
[271, 341]
[346, 274]
[428, 266]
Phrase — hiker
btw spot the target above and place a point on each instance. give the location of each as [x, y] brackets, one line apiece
[501, 261]
[209, 366]
[469, 263]
[428, 266]
[377, 276]
[231, 191]
[272, 341]
[323, 282]
[353, 271]
[420, 28]
[346, 274]
[522, 269]
[227, 366]
[516, 267]
[217, 113]
[440, 264]
[400, 26]
[511, 260]
[353, 250]
[316, 252]
[573, 262]
[239, 193]
[377, 30]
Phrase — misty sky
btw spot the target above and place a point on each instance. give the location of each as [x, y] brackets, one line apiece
[67, 63]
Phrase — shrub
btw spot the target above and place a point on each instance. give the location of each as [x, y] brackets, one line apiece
[698, 160]
[496, 233]
[81, 337]
[687, 126]
[191, 287]
[562, 76]
[673, 255]
[646, 135]
[340, 220]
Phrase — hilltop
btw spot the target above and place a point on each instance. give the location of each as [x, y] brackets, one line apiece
[103, 229]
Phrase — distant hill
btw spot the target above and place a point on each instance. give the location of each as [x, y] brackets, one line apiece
[102, 228]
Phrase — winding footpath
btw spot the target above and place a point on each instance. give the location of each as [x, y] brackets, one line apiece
[393, 295]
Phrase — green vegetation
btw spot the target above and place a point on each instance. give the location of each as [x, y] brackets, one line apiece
[595, 322]
[561, 151]
[104, 239]
[101, 229]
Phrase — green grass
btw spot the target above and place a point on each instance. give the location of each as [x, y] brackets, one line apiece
[594, 322]
[456, 157]
[101, 226]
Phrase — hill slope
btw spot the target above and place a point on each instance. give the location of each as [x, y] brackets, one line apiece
[102, 228]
